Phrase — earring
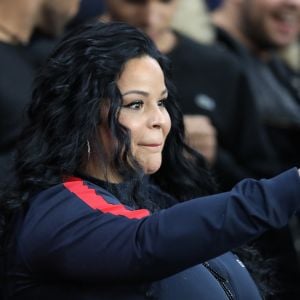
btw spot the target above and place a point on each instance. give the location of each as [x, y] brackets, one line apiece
[88, 149]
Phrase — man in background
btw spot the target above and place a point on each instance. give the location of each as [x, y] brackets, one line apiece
[254, 31]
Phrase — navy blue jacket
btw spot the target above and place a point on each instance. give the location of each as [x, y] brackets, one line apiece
[77, 241]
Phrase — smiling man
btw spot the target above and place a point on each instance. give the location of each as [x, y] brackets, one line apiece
[263, 24]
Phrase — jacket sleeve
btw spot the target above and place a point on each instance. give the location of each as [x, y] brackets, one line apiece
[77, 242]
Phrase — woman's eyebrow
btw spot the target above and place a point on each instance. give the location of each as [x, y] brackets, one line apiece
[143, 93]
[136, 92]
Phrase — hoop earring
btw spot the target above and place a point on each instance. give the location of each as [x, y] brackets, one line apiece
[88, 149]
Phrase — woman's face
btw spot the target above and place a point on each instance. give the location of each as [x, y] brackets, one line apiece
[142, 85]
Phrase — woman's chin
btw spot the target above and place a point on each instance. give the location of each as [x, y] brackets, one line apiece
[151, 169]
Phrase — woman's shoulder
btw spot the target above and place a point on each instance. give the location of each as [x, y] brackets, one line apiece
[67, 210]
[73, 190]
[75, 198]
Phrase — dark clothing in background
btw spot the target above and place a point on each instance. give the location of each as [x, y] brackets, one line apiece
[88, 10]
[17, 71]
[78, 241]
[277, 100]
[211, 82]
[15, 91]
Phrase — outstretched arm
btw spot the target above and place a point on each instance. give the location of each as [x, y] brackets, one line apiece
[104, 241]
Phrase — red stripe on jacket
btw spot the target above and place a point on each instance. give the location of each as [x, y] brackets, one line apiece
[89, 196]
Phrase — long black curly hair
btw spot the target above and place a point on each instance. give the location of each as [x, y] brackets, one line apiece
[76, 83]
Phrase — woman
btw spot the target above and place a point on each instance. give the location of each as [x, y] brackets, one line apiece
[102, 167]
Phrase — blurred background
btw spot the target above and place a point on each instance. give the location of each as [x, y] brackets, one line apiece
[237, 69]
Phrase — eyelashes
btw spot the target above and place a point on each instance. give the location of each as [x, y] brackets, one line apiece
[163, 102]
[138, 104]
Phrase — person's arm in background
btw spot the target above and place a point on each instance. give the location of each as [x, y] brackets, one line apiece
[201, 135]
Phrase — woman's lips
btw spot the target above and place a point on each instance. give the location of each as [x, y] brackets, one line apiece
[152, 145]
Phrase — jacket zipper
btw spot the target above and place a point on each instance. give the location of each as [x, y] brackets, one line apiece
[222, 281]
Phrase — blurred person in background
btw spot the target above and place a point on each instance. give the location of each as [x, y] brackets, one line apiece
[28, 31]
[255, 31]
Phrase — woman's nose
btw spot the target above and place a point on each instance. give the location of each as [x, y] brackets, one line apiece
[157, 118]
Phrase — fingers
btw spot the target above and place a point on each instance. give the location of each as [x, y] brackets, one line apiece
[201, 135]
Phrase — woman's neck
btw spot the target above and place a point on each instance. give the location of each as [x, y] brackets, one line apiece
[98, 173]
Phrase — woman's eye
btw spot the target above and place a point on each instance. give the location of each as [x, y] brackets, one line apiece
[162, 102]
[138, 104]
